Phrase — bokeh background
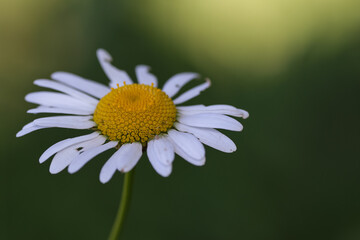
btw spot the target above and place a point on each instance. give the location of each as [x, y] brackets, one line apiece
[294, 65]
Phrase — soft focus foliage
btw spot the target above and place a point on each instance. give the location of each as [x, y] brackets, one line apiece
[255, 36]
[294, 65]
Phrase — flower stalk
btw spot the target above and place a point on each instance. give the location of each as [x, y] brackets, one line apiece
[123, 207]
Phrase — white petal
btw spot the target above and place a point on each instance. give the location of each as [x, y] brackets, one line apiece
[161, 169]
[188, 143]
[127, 156]
[192, 92]
[115, 75]
[144, 76]
[187, 157]
[210, 120]
[85, 85]
[86, 156]
[161, 155]
[108, 170]
[188, 147]
[29, 125]
[64, 144]
[163, 148]
[52, 99]
[25, 131]
[65, 89]
[43, 109]
[220, 109]
[74, 122]
[64, 157]
[210, 137]
[176, 82]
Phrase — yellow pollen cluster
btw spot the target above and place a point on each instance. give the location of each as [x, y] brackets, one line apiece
[134, 113]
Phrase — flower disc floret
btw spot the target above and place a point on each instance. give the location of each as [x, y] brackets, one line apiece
[134, 113]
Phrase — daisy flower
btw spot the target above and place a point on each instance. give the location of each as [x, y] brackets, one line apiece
[131, 118]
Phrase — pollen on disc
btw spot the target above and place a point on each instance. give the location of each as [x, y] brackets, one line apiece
[134, 113]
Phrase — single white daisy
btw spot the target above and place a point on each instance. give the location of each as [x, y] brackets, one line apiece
[131, 118]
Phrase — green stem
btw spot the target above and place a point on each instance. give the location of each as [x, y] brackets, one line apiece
[123, 207]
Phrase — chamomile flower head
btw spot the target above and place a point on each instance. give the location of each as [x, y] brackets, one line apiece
[130, 118]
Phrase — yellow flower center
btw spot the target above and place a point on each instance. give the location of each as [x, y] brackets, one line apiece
[134, 113]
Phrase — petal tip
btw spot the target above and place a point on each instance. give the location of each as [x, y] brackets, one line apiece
[104, 180]
[37, 82]
[41, 160]
[194, 74]
[19, 134]
[103, 55]
[143, 66]
[231, 150]
[53, 170]
[239, 129]
[72, 169]
[208, 81]
[165, 175]
[57, 75]
[201, 162]
[245, 115]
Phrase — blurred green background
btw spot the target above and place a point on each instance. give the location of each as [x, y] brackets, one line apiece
[294, 65]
